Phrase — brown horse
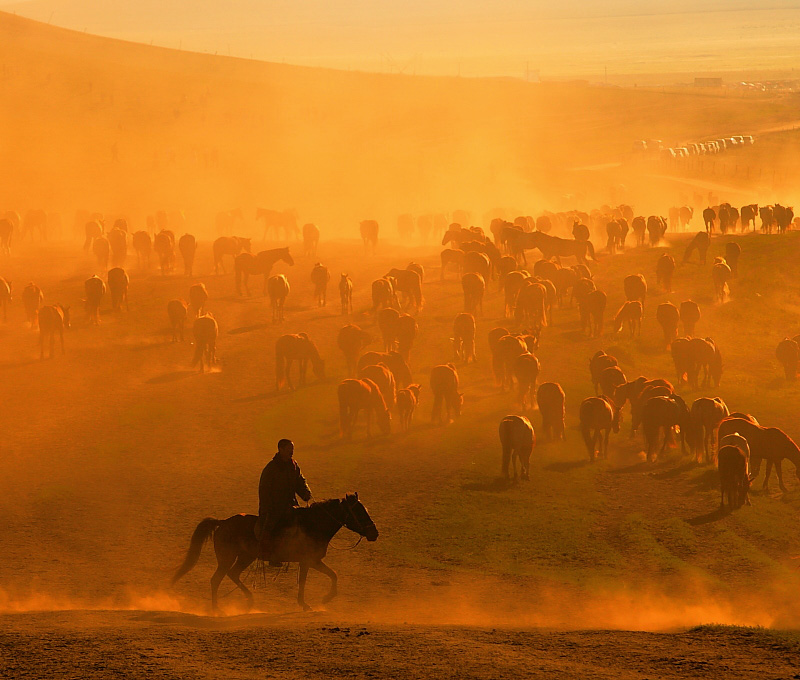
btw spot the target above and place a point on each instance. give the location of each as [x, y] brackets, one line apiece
[444, 385]
[275, 220]
[383, 294]
[303, 538]
[32, 297]
[346, 294]
[384, 379]
[592, 311]
[205, 332]
[630, 313]
[177, 312]
[118, 288]
[551, 401]
[310, 240]
[95, 289]
[300, 348]
[52, 319]
[187, 244]
[598, 416]
[666, 412]
[474, 287]
[464, 337]
[246, 264]
[228, 245]
[164, 246]
[278, 289]
[407, 401]
[766, 443]
[320, 276]
[690, 316]
[369, 234]
[361, 395]
[706, 415]
[394, 360]
[555, 247]
[788, 353]
[198, 296]
[668, 318]
[409, 283]
[504, 354]
[517, 441]
[664, 271]
[453, 258]
[526, 371]
[143, 246]
[351, 340]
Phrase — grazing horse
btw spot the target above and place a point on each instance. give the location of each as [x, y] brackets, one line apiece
[408, 282]
[143, 246]
[303, 538]
[290, 348]
[351, 340]
[32, 300]
[690, 316]
[700, 243]
[278, 288]
[393, 360]
[664, 412]
[320, 276]
[767, 443]
[598, 416]
[95, 288]
[630, 313]
[357, 395]
[177, 312]
[164, 245]
[464, 337]
[205, 332]
[52, 319]
[118, 288]
[369, 234]
[310, 240]
[444, 385]
[346, 294]
[474, 287]
[734, 477]
[187, 244]
[702, 353]
[407, 401]
[246, 264]
[452, 257]
[198, 296]
[664, 270]
[384, 379]
[517, 441]
[706, 415]
[551, 401]
[668, 317]
[228, 245]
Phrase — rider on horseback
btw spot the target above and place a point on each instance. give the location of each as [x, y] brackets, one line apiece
[281, 482]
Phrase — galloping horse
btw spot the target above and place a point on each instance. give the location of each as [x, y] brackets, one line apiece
[304, 539]
[246, 264]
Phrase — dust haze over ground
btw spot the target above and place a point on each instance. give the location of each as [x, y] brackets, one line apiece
[114, 452]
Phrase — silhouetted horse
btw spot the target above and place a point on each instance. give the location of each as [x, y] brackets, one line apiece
[303, 538]
[246, 264]
[300, 348]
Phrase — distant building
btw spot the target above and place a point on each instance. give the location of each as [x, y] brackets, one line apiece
[708, 82]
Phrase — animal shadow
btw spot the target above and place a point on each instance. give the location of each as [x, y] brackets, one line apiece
[170, 377]
[709, 517]
[496, 485]
[248, 329]
[566, 465]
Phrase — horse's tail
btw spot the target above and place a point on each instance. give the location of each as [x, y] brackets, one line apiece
[199, 348]
[586, 433]
[202, 533]
[280, 365]
[590, 248]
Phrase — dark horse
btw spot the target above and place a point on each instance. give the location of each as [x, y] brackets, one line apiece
[246, 264]
[555, 247]
[303, 539]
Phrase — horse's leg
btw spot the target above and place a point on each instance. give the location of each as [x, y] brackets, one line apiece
[767, 474]
[301, 587]
[323, 568]
[242, 562]
[779, 472]
[224, 563]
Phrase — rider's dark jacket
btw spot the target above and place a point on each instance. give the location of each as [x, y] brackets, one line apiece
[280, 483]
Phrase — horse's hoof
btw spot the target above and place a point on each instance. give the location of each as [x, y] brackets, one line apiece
[328, 598]
[306, 607]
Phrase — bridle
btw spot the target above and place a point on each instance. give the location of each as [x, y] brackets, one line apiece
[360, 528]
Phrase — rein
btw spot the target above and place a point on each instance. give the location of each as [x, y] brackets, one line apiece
[342, 524]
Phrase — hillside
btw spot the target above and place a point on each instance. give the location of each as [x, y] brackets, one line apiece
[126, 128]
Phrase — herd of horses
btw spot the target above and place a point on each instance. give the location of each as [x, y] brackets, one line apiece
[379, 384]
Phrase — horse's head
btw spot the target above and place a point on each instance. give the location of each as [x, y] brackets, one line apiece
[357, 518]
[287, 258]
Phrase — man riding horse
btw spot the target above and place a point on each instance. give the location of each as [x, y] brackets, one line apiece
[281, 482]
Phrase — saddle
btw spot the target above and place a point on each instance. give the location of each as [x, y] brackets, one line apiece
[267, 540]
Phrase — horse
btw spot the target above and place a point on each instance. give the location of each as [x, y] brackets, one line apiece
[143, 245]
[118, 242]
[734, 477]
[277, 220]
[304, 538]
[32, 300]
[630, 313]
[664, 412]
[706, 415]
[310, 240]
[526, 371]
[52, 319]
[369, 234]
[598, 416]
[278, 288]
[444, 385]
[464, 337]
[320, 277]
[95, 288]
[93, 229]
[732, 252]
[246, 264]
[228, 245]
[517, 440]
[592, 309]
[452, 257]
[474, 287]
[101, 250]
[531, 305]
[700, 243]
[187, 244]
[300, 348]
[351, 340]
[690, 315]
[205, 332]
[383, 294]
[664, 270]
[357, 395]
[384, 379]
[118, 288]
[198, 296]
[555, 247]
[407, 400]
[406, 329]
[551, 402]
[597, 364]
[164, 245]
[393, 360]
[721, 274]
[504, 353]
[668, 317]
[408, 282]
[176, 311]
[766, 443]
[346, 294]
